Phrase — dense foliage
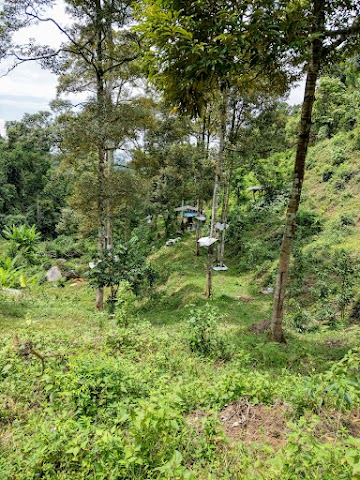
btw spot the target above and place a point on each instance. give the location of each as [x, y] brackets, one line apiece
[161, 383]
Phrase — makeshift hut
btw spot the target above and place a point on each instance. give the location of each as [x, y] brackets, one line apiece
[187, 212]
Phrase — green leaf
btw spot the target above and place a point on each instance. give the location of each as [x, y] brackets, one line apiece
[7, 368]
[348, 398]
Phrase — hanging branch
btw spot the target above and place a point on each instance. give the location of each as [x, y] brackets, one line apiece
[26, 348]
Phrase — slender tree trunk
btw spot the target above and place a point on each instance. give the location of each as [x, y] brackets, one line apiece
[38, 212]
[218, 172]
[154, 220]
[167, 224]
[204, 150]
[99, 298]
[109, 215]
[109, 209]
[110, 144]
[224, 214]
[277, 334]
[198, 225]
[110, 147]
[102, 243]
[101, 114]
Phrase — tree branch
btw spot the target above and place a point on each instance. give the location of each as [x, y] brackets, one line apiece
[343, 34]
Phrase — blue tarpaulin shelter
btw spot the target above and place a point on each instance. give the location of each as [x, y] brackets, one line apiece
[190, 214]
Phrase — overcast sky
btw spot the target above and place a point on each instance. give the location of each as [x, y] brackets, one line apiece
[29, 88]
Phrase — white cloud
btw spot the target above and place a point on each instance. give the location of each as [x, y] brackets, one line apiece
[29, 79]
[26, 103]
[45, 32]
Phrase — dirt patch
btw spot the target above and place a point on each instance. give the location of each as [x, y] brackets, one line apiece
[194, 419]
[256, 423]
[5, 439]
[353, 424]
[266, 424]
[245, 298]
[333, 424]
[335, 342]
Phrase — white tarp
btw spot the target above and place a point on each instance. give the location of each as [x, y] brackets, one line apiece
[185, 208]
[206, 241]
[220, 267]
[221, 226]
[93, 264]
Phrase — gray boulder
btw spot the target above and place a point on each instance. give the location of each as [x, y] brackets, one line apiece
[70, 274]
[53, 274]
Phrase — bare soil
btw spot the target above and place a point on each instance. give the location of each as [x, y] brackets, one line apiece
[255, 423]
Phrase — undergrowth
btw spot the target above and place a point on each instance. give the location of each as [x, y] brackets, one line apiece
[116, 400]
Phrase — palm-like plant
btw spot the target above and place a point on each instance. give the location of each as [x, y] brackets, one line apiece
[13, 275]
[23, 238]
[9, 272]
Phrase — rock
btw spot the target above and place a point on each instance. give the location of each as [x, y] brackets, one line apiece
[53, 274]
[267, 291]
[60, 261]
[11, 291]
[70, 274]
[172, 241]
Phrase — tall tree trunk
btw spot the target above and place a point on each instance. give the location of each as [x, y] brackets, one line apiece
[110, 147]
[101, 114]
[218, 172]
[109, 210]
[38, 212]
[101, 201]
[204, 153]
[277, 334]
[198, 225]
[154, 220]
[224, 213]
[109, 214]
[110, 144]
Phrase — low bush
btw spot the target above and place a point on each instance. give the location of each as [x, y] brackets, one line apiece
[203, 336]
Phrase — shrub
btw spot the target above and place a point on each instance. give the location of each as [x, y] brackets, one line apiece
[339, 387]
[338, 155]
[345, 270]
[23, 239]
[125, 305]
[125, 262]
[308, 223]
[301, 318]
[65, 247]
[13, 275]
[203, 336]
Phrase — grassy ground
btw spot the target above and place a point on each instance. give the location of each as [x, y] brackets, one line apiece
[336, 196]
[141, 401]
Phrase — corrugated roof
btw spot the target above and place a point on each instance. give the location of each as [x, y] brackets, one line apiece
[185, 208]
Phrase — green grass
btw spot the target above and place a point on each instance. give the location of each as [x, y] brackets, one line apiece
[117, 403]
[339, 196]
